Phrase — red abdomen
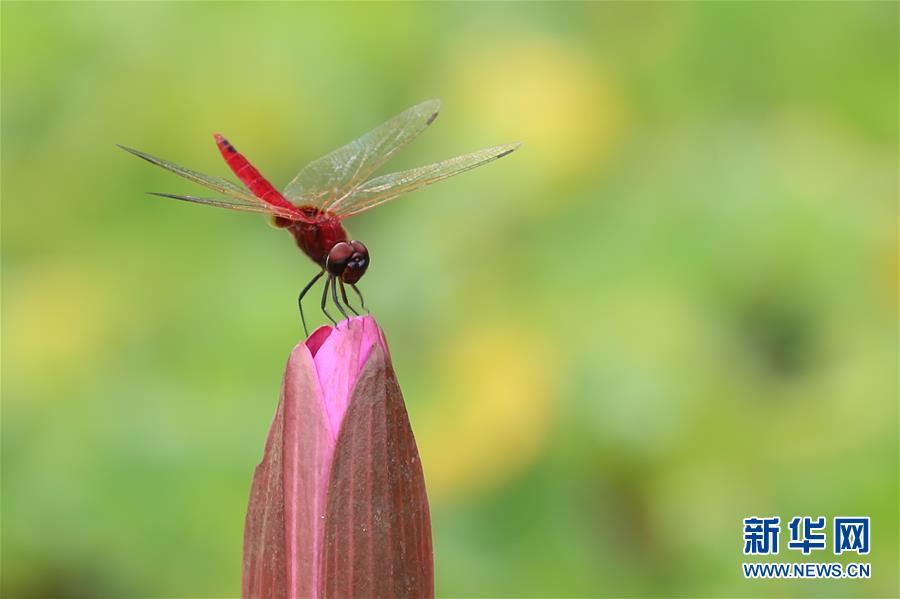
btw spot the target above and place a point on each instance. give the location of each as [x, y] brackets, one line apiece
[317, 238]
[250, 177]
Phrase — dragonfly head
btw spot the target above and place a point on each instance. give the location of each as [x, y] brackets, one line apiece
[348, 260]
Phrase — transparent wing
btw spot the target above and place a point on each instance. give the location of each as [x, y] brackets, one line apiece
[233, 204]
[329, 179]
[223, 186]
[387, 187]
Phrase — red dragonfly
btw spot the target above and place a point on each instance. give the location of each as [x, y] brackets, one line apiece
[314, 204]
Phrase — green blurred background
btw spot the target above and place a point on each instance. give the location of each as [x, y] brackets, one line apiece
[673, 308]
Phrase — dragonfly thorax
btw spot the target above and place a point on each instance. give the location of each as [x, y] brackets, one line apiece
[318, 237]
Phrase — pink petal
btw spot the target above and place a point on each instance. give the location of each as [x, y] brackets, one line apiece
[283, 525]
[377, 524]
[264, 563]
[315, 341]
[338, 362]
[340, 477]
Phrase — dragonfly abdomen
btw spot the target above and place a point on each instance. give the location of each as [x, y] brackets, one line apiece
[249, 176]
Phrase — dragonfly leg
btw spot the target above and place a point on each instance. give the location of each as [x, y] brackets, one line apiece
[344, 297]
[334, 286]
[362, 302]
[300, 300]
[324, 298]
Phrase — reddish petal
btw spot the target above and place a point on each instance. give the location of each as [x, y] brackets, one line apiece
[340, 479]
[283, 529]
[264, 571]
[339, 360]
[377, 527]
[315, 341]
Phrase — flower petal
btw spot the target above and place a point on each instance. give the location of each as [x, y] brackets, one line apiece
[283, 528]
[340, 479]
[377, 525]
[318, 337]
[338, 362]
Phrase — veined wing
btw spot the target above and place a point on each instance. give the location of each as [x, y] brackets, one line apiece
[223, 186]
[245, 206]
[329, 179]
[387, 187]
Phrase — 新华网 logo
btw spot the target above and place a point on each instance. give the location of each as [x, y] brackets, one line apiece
[762, 536]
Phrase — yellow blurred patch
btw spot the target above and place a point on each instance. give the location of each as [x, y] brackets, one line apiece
[494, 405]
[57, 321]
[552, 95]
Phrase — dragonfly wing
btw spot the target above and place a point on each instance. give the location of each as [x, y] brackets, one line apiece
[329, 179]
[387, 187]
[232, 204]
[218, 184]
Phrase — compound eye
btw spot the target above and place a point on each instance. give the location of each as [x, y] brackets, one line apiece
[341, 252]
[359, 247]
[338, 257]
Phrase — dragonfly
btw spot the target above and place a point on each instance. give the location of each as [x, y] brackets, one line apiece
[313, 206]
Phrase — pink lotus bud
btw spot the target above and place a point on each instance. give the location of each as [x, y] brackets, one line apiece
[337, 505]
